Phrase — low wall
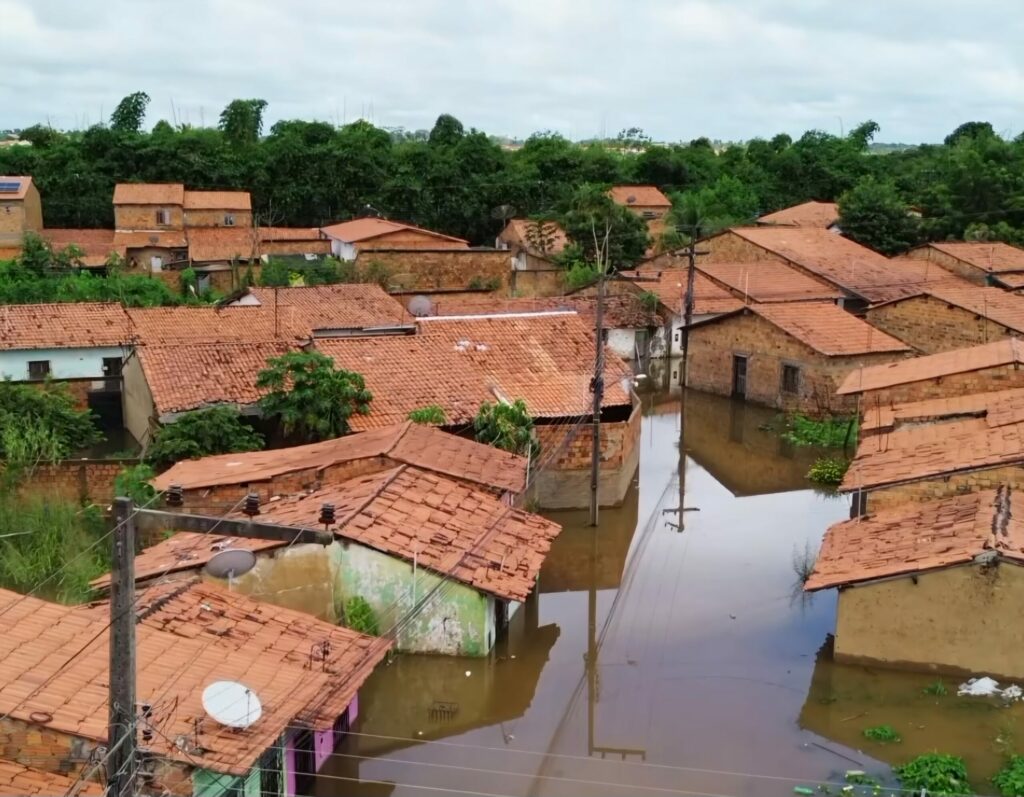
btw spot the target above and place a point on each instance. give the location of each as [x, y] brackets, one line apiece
[460, 269]
[85, 480]
[945, 487]
[533, 284]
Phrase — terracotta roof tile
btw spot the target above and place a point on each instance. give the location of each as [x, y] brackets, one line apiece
[289, 234]
[991, 257]
[670, 286]
[149, 194]
[192, 376]
[934, 366]
[1011, 280]
[979, 405]
[620, 311]
[96, 245]
[827, 328]
[22, 190]
[21, 781]
[644, 196]
[156, 326]
[168, 239]
[409, 443]
[519, 231]
[769, 281]
[364, 229]
[806, 214]
[217, 200]
[62, 326]
[223, 243]
[919, 537]
[356, 306]
[458, 363]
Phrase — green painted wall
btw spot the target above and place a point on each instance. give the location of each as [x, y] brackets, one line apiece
[212, 784]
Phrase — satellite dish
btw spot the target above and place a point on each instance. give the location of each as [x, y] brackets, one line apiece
[421, 306]
[232, 704]
[503, 212]
[231, 563]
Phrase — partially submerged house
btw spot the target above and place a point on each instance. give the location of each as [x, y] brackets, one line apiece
[305, 673]
[975, 369]
[941, 317]
[791, 356]
[978, 262]
[349, 238]
[930, 586]
[937, 448]
[820, 215]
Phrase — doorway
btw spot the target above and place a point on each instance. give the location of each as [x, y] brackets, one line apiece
[739, 376]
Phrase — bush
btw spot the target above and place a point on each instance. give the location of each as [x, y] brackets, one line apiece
[580, 275]
[649, 301]
[133, 482]
[49, 409]
[506, 426]
[1010, 779]
[826, 433]
[828, 470]
[883, 734]
[218, 430]
[432, 415]
[937, 772]
[359, 616]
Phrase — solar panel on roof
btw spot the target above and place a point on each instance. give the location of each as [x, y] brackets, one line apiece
[10, 187]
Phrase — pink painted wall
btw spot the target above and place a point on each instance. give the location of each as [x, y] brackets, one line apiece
[324, 743]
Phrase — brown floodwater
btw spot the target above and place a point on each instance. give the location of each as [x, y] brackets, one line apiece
[666, 652]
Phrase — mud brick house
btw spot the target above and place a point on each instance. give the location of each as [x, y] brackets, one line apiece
[944, 317]
[349, 238]
[532, 244]
[217, 209]
[20, 211]
[17, 780]
[791, 356]
[976, 369]
[54, 691]
[937, 448]
[821, 215]
[929, 586]
[978, 262]
[769, 281]
[444, 563]
[149, 224]
[647, 202]
[864, 276]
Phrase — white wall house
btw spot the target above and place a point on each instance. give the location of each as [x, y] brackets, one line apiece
[22, 365]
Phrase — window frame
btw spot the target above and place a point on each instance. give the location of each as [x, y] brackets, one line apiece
[34, 366]
[784, 382]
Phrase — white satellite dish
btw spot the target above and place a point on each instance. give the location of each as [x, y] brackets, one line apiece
[232, 704]
[231, 563]
[420, 306]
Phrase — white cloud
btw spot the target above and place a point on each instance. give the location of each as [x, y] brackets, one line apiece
[678, 68]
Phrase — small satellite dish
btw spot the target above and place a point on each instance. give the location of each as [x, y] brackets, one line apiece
[231, 563]
[421, 306]
[232, 704]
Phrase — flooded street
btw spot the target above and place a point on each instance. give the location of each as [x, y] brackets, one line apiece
[666, 653]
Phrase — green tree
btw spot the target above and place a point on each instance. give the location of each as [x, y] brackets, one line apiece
[217, 430]
[242, 121]
[447, 131]
[506, 426]
[873, 214]
[130, 113]
[607, 233]
[311, 399]
[134, 482]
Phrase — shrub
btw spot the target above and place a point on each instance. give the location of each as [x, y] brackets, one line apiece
[1010, 779]
[827, 432]
[506, 426]
[432, 415]
[580, 275]
[938, 773]
[359, 616]
[649, 301]
[883, 734]
[828, 470]
[218, 430]
[30, 413]
[133, 482]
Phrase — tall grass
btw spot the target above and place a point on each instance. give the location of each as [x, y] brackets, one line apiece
[43, 539]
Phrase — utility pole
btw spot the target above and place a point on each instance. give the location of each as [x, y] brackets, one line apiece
[597, 388]
[121, 732]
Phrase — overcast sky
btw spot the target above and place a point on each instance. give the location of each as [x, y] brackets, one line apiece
[727, 69]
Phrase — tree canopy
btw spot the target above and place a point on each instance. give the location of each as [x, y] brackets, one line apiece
[202, 433]
[872, 214]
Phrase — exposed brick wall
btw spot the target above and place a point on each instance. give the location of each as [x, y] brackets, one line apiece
[143, 217]
[537, 283]
[768, 349]
[445, 268]
[19, 216]
[930, 325]
[949, 263]
[79, 479]
[945, 487]
[309, 247]
[408, 239]
[215, 218]
[731, 248]
[985, 380]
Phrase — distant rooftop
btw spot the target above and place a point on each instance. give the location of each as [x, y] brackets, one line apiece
[806, 214]
[639, 196]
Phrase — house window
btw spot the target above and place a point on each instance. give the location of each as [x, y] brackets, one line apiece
[229, 219]
[112, 367]
[163, 216]
[38, 369]
[790, 379]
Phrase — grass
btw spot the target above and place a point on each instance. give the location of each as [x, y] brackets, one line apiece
[824, 433]
[884, 734]
[936, 689]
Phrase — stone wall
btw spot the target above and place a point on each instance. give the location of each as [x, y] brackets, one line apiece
[945, 487]
[984, 380]
[143, 217]
[767, 349]
[425, 269]
[930, 325]
[949, 263]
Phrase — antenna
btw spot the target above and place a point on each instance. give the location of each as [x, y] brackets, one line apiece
[232, 704]
[231, 563]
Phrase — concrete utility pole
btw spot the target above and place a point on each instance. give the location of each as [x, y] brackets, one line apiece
[597, 388]
[121, 731]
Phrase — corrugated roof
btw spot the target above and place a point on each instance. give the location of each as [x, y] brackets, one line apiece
[20, 192]
[992, 257]
[769, 281]
[934, 366]
[408, 443]
[919, 537]
[806, 214]
[364, 229]
[669, 285]
[67, 325]
[21, 781]
[149, 194]
[217, 200]
[639, 196]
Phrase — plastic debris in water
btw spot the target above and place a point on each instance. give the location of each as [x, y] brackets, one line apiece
[802, 790]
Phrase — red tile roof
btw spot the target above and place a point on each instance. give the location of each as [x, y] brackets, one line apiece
[54, 671]
[991, 257]
[1011, 280]
[921, 537]
[946, 436]
[167, 239]
[23, 184]
[149, 194]
[448, 526]
[934, 366]
[642, 196]
[520, 231]
[408, 443]
[159, 326]
[67, 325]
[186, 377]
[289, 234]
[217, 200]
[355, 306]
[21, 781]
[769, 281]
[458, 363]
[669, 285]
[995, 304]
[364, 229]
[96, 245]
[806, 214]
[223, 243]
[887, 417]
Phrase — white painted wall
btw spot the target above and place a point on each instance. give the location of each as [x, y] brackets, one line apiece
[343, 250]
[64, 363]
[622, 342]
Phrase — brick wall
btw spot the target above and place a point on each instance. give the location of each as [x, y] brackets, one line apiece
[12, 223]
[413, 269]
[768, 349]
[408, 239]
[945, 487]
[215, 218]
[143, 217]
[930, 325]
[536, 283]
[949, 263]
[305, 247]
[731, 248]
[985, 380]
[79, 479]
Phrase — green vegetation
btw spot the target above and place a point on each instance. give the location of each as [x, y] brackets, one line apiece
[828, 471]
[872, 213]
[936, 688]
[432, 415]
[1010, 779]
[282, 273]
[580, 275]
[939, 773]
[41, 422]
[133, 482]
[311, 398]
[217, 430]
[649, 301]
[605, 231]
[825, 432]
[884, 734]
[479, 283]
[359, 616]
[507, 426]
[857, 778]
